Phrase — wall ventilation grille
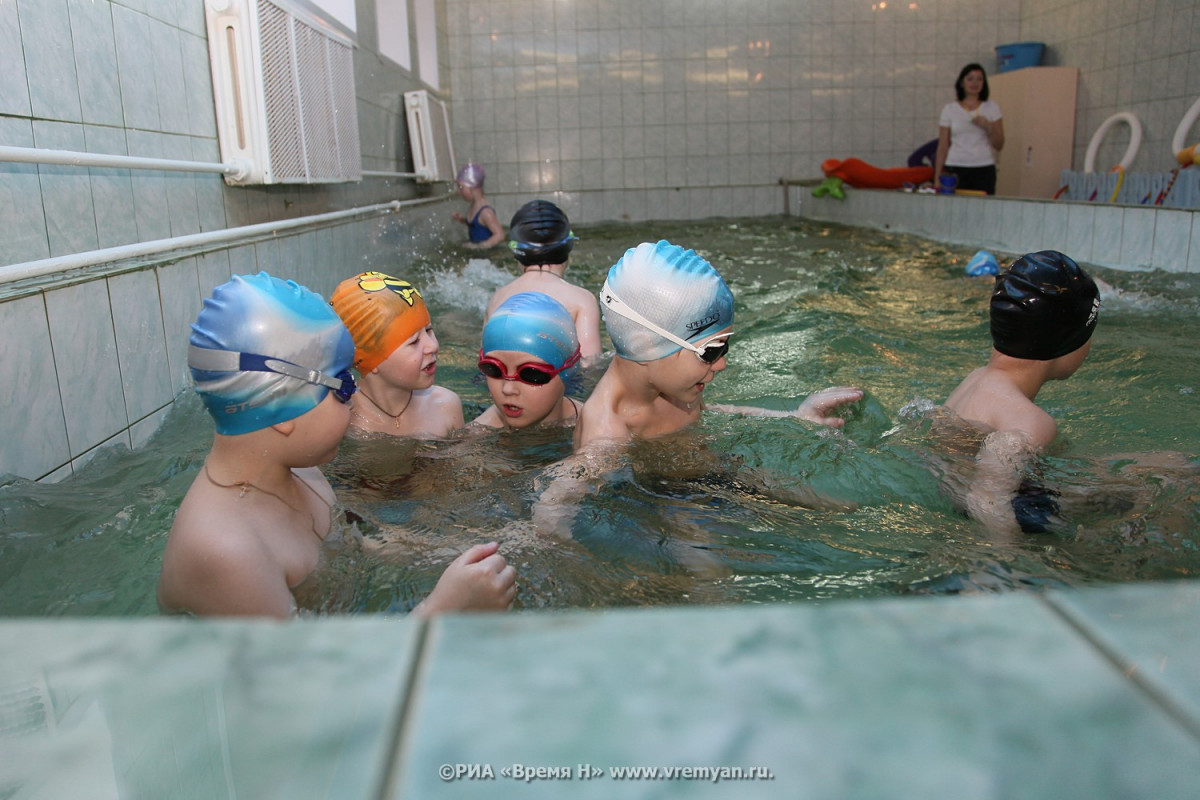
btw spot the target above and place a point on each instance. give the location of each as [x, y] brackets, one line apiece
[283, 83]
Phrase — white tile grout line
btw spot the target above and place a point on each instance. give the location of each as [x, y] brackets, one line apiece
[1141, 679]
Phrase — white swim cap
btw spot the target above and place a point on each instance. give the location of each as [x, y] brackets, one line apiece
[674, 289]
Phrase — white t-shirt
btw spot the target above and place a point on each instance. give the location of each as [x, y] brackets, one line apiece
[969, 145]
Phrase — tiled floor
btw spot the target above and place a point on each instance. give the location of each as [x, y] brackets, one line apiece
[1089, 694]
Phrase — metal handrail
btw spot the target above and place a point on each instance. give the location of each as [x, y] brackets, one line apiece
[90, 258]
[35, 155]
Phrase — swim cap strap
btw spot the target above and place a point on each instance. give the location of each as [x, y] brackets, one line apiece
[619, 307]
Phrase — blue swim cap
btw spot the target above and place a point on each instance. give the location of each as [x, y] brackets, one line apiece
[671, 287]
[982, 263]
[534, 323]
[264, 316]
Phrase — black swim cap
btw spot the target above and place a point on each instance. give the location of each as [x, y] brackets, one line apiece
[1043, 306]
[541, 234]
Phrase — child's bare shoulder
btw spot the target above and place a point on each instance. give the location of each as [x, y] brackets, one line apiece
[441, 396]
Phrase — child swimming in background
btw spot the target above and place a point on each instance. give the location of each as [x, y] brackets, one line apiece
[528, 356]
[271, 362]
[542, 240]
[1043, 312]
[483, 226]
[395, 353]
[670, 316]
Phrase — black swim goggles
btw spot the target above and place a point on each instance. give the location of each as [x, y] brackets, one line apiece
[342, 385]
[710, 351]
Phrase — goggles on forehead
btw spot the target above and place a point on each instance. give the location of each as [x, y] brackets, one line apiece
[201, 358]
[709, 351]
[532, 373]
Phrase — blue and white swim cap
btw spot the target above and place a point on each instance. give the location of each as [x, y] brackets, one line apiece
[534, 323]
[671, 287]
[264, 316]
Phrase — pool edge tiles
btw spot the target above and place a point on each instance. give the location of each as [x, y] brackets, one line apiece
[1149, 631]
[982, 696]
[187, 708]
[1123, 237]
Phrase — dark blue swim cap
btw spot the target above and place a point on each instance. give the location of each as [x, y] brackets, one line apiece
[541, 234]
[1043, 306]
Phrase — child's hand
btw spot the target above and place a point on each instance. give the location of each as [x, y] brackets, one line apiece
[478, 580]
[457, 217]
[817, 405]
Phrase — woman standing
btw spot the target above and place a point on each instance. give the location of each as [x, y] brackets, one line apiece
[970, 133]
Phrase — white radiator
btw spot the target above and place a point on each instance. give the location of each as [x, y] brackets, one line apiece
[283, 83]
[429, 137]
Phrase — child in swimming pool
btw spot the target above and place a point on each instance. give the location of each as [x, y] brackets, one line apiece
[483, 226]
[670, 316]
[395, 353]
[272, 363]
[528, 357]
[541, 239]
[1043, 311]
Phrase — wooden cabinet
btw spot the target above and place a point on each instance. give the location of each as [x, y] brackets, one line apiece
[1038, 104]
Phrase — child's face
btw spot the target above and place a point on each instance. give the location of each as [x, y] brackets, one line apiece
[523, 405]
[413, 364]
[323, 428]
[682, 376]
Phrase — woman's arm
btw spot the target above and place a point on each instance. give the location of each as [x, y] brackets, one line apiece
[995, 134]
[993, 130]
[943, 147]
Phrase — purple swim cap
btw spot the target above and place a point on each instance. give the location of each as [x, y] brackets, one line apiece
[471, 175]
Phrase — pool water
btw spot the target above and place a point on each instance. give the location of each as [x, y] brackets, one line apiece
[738, 509]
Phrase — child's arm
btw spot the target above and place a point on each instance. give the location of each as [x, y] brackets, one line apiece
[998, 468]
[587, 328]
[478, 580]
[571, 479]
[815, 408]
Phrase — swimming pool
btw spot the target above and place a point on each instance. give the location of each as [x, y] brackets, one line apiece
[724, 513]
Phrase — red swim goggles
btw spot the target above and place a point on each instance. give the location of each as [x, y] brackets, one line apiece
[530, 372]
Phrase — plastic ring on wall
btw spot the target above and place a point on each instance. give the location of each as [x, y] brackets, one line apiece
[1186, 156]
[1135, 140]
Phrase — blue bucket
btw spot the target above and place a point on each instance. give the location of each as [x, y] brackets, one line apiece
[1018, 55]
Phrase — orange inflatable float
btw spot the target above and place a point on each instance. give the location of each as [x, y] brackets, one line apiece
[859, 173]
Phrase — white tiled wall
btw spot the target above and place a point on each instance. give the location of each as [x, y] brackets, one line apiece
[625, 98]
[1141, 56]
[132, 77]
[86, 363]
[703, 103]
